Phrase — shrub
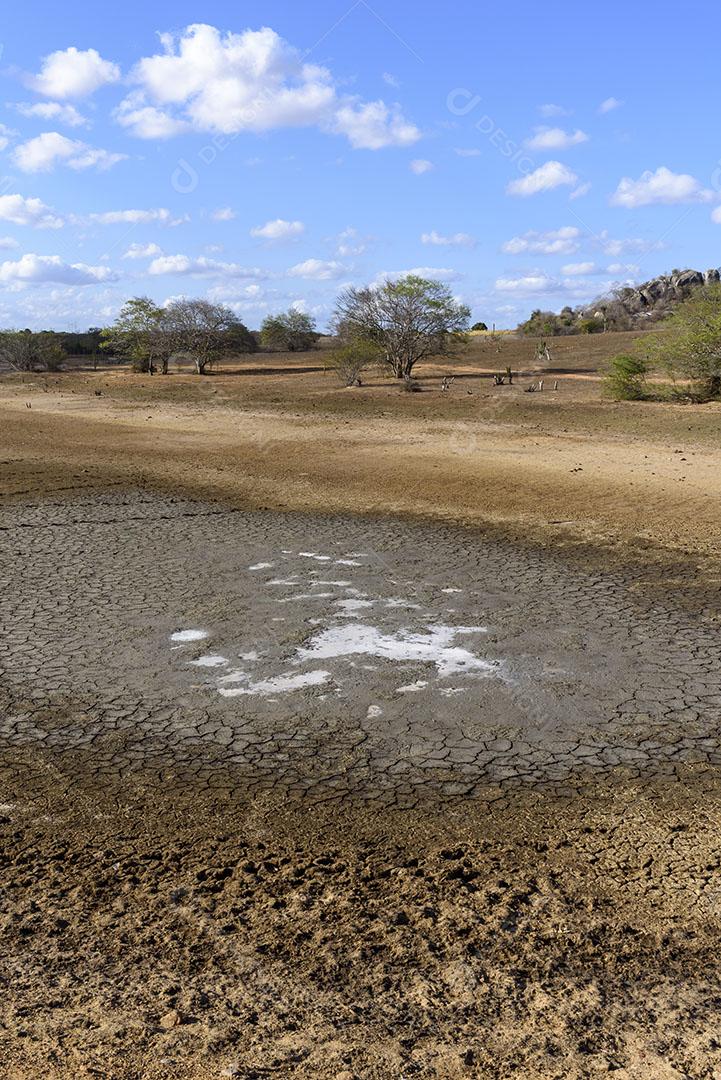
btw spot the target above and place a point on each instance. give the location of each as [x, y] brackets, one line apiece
[351, 360]
[626, 380]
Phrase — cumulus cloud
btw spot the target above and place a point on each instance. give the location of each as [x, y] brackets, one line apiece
[45, 151]
[563, 241]
[223, 213]
[318, 270]
[159, 215]
[7, 243]
[578, 269]
[22, 211]
[202, 267]
[45, 268]
[420, 166]
[142, 251]
[73, 73]
[52, 110]
[716, 215]
[555, 138]
[661, 187]
[580, 191]
[609, 105]
[459, 239]
[546, 177]
[471, 151]
[615, 247]
[278, 230]
[252, 81]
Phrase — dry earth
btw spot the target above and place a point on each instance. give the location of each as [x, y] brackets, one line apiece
[442, 797]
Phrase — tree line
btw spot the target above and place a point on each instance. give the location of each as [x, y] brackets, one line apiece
[395, 325]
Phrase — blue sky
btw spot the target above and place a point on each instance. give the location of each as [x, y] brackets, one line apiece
[269, 154]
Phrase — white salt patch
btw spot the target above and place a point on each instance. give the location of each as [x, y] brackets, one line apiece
[396, 602]
[374, 710]
[347, 562]
[351, 606]
[278, 684]
[250, 656]
[261, 566]
[314, 555]
[435, 647]
[210, 660]
[339, 584]
[412, 688]
[449, 691]
[282, 581]
[189, 635]
[451, 590]
[305, 596]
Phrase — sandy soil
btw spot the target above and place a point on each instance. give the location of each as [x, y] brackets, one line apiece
[521, 880]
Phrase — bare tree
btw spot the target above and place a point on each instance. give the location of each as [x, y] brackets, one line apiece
[406, 320]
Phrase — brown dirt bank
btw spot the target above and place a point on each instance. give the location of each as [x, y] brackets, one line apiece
[177, 938]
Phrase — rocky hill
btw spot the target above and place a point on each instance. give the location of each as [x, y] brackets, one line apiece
[655, 298]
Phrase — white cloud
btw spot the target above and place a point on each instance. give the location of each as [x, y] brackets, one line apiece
[550, 138]
[45, 151]
[420, 166]
[613, 247]
[6, 134]
[146, 121]
[459, 239]
[350, 243]
[580, 191]
[73, 73]
[529, 283]
[430, 273]
[44, 268]
[472, 151]
[661, 187]
[7, 243]
[624, 268]
[142, 251]
[318, 270]
[578, 269]
[551, 175]
[52, 110]
[202, 267]
[278, 230]
[22, 211]
[716, 215]
[563, 241]
[252, 81]
[609, 105]
[223, 213]
[390, 80]
[551, 110]
[159, 215]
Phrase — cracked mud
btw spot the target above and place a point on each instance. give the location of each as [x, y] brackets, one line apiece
[322, 796]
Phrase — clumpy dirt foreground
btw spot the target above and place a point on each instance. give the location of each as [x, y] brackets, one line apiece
[322, 797]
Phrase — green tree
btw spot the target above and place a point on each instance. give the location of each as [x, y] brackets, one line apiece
[479, 326]
[406, 320]
[690, 344]
[23, 350]
[140, 334]
[289, 331]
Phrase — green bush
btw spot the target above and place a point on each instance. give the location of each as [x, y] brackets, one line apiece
[626, 380]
